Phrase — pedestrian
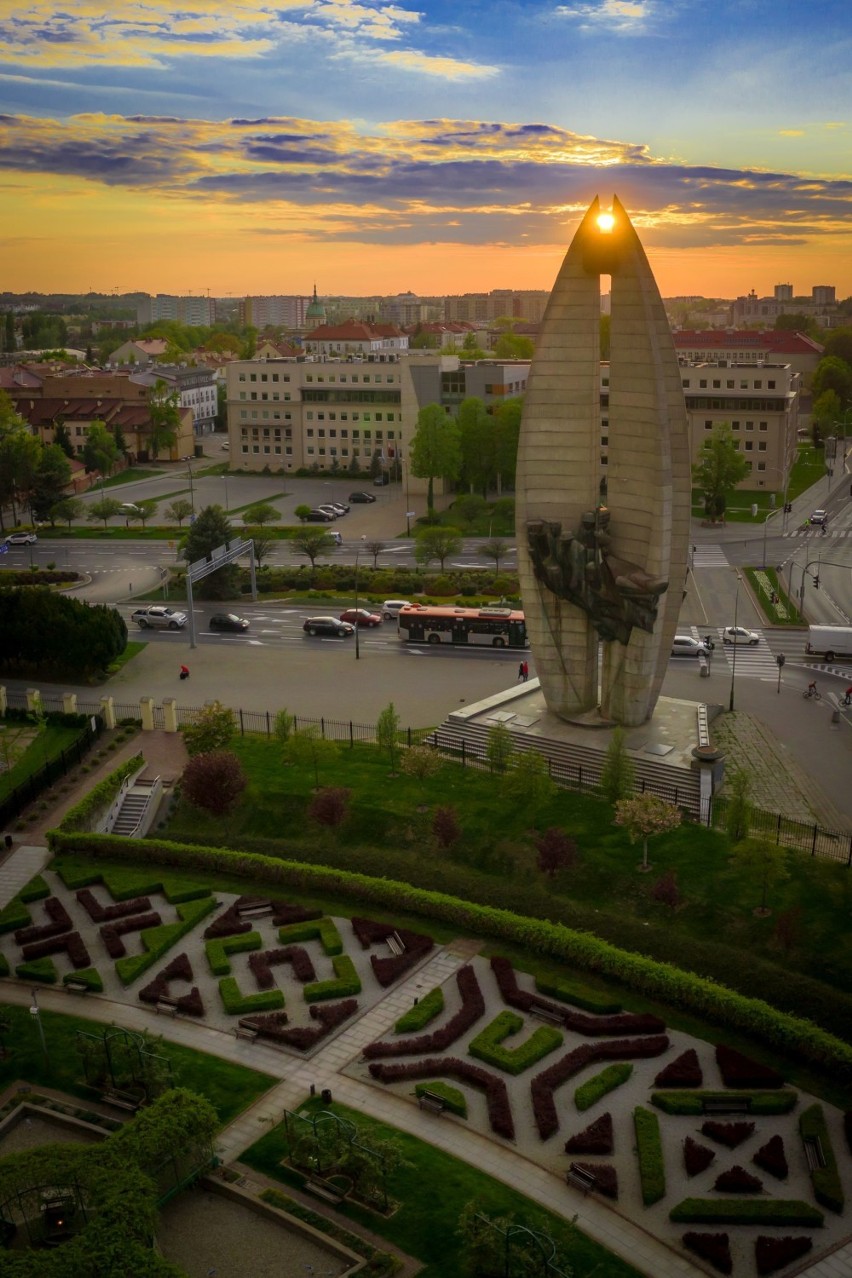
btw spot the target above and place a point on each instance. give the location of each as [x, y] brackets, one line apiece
[184, 672]
[520, 673]
[526, 669]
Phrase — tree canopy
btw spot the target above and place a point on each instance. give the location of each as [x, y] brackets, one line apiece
[435, 448]
[719, 469]
[211, 529]
[478, 444]
[52, 634]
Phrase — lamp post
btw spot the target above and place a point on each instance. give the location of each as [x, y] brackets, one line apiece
[188, 461]
[357, 626]
[35, 1012]
[225, 481]
[734, 645]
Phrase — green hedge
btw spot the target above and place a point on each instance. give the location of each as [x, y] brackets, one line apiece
[346, 985]
[828, 1187]
[451, 1096]
[649, 1150]
[157, 940]
[323, 929]
[606, 1081]
[420, 1015]
[570, 992]
[218, 950]
[43, 969]
[238, 1004]
[99, 799]
[746, 1211]
[88, 976]
[16, 914]
[488, 1045]
[124, 884]
[687, 991]
[36, 890]
[762, 1103]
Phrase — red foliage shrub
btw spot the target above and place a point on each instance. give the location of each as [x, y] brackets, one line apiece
[262, 963]
[473, 1006]
[179, 969]
[60, 922]
[229, 923]
[106, 913]
[544, 1084]
[713, 1247]
[214, 782]
[330, 806]
[445, 827]
[579, 1022]
[666, 890]
[685, 1071]
[595, 1139]
[111, 933]
[730, 1134]
[771, 1158]
[303, 1037]
[71, 942]
[736, 1180]
[606, 1178]
[496, 1094]
[739, 1071]
[774, 1253]
[556, 851]
[696, 1157]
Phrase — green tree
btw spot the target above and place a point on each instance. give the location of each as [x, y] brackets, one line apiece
[306, 748]
[145, 510]
[211, 529]
[478, 445]
[495, 549]
[9, 343]
[643, 817]
[214, 729]
[312, 542]
[506, 424]
[839, 342]
[52, 477]
[765, 865]
[471, 350]
[63, 439]
[19, 457]
[618, 776]
[527, 783]
[738, 811]
[387, 733]
[99, 451]
[797, 322]
[221, 423]
[163, 417]
[469, 509]
[720, 468]
[283, 727]
[68, 509]
[178, 511]
[421, 762]
[437, 543]
[825, 412]
[513, 346]
[435, 451]
[499, 747]
[104, 508]
[262, 512]
[375, 548]
[833, 373]
[302, 512]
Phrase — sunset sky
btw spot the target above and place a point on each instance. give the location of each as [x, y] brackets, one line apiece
[440, 146]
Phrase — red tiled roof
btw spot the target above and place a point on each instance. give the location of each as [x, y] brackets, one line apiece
[352, 331]
[780, 341]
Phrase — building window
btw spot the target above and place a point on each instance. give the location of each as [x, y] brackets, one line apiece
[749, 445]
[761, 447]
[761, 465]
[685, 383]
[758, 385]
[771, 385]
[702, 383]
[763, 426]
[730, 385]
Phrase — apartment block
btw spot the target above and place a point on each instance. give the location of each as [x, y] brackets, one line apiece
[192, 311]
[280, 311]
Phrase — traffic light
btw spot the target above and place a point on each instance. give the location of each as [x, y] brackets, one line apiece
[788, 506]
[816, 583]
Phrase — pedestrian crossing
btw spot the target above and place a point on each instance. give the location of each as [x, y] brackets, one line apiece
[752, 662]
[709, 556]
[815, 534]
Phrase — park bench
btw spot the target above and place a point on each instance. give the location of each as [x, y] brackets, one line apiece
[122, 1100]
[256, 910]
[432, 1102]
[322, 1189]
[814, 1153]
[246, 1032]
[77, 987]
[166, 1006]
[551, 1014]
[580, 1178]
[395, 944]
[725, 1104]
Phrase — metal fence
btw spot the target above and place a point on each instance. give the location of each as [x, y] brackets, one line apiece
[804, 836]
[50, 772]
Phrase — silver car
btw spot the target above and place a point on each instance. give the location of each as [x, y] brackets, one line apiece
[159, 618]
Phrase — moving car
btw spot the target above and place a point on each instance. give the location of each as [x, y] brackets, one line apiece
[818, 517]
[391, 608]
[128, 508]
[319, 516]
[228, 621]
[686, 646]
[362, 497]
[328, 626]
[739, 634]
[361, 617]
[21, 539]
[159, 618]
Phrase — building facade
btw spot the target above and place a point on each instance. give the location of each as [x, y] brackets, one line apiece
[196, 388]
[192, 311]
[281, 311]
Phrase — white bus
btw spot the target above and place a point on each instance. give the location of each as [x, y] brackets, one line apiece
[494, 627]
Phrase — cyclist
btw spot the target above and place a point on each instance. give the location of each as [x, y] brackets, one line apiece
[812, 689]
[847, 697]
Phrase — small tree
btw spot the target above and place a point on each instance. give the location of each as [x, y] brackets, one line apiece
[283, 726]
[144, 511]
[644, 816]
[329, 807]
[179, 510]
[312, 542]
[104, 508]
[494, 549]
[618, 775]
[387, 732]
[302, 512]
[528, 783]
[69, 509]
[263, 547]
[445, 827]
[738, 813]
[666, 890]
[437, 543]
[420, 762]
[375, 548]
[765, 865]
[262, 512]
[788, 928]
[556, 851]
[213, 729]
[499, 747]
[214, 782]
[308, 748]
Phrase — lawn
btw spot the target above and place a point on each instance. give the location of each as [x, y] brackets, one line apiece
[229, 1088]
[432, 1188]
[46, 744]
[806, 968]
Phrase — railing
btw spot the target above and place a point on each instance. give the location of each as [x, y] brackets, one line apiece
[106, 822]
[49, 773]
[149, 811]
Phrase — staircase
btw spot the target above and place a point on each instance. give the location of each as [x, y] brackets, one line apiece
[138, 808]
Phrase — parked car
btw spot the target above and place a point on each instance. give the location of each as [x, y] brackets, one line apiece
[331, 509]
[381, 480]
[342, 507]
[686, 646]
[362, 497]
[228, 621]
[128, 508]
[328, 626]
[159, 618]
[361, 617]
[319, 516]
[21, 539]
[819, 517]
[739, 634]
[391, 608]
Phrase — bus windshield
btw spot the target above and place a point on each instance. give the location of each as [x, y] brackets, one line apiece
[493, 627]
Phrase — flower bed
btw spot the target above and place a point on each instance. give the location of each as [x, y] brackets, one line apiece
[111, 933]
[60, 922]
[71, 942]
[304, 1037]
[157, 940]
[736, 1180]
[745, 1211]
[217, 951]
[473, 1006]
[728, 1134]
[696, 1158]
[488, 1044]
[606, 1178]
[685, 1071]
[322, 929]
[544, 1084]
[261, 965]
[107, 913]
[346, 982]
[179, 969]
[238, 1004]
[591, 1026]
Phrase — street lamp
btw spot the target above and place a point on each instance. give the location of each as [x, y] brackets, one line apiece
[188, 461]
[357, 627]
[734, 645]
[35, 1012]
[225, 481]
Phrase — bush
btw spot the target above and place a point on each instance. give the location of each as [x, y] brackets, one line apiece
[157, 940]
[727, 1134]
[453, 1099]
[649, 1149]
[685, 1071]
[828, 1187]
[740, 1071]
[762, 1103]
[488, 1045]
[238, 1004]
[218, 950]
[597, 1138]
[85, 814]
[715, 1248]
[568, 991]
[346, 984]
[776, 1253]
[719, 1211]
[40, 969]
[324, 929]
[607, 1080]
[736, 1180]
[696, 1158]
[419, 1016]
[771, 1158]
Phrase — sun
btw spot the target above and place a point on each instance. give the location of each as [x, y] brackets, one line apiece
[606, 222]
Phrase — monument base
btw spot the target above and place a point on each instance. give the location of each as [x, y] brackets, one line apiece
[669, 752]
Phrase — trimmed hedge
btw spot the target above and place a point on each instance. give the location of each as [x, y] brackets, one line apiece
[157, 940]
[238, 1004]
[40, 969]
[347, 982]
[488, 1045]
[828, 1187]
[695, 994]
[746, 1211]
[325, 930]
[649, 1150]
[35, 890]
[217, 951]
[15, 915]
[422, 1013]
[451, 1096]
[89, 976]
[570, 992]
[607, 1080]
[762, 1103]
[101, 796]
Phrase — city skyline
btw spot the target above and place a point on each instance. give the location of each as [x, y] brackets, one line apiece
[376, 147]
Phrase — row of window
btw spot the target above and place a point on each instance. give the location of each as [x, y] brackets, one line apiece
[745, 384]
[319, 377]
[736, 425]
[344, 434]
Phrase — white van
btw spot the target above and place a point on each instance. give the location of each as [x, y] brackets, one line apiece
[829, 642]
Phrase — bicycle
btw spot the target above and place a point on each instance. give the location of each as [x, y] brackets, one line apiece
[812, 692]
[847, 699]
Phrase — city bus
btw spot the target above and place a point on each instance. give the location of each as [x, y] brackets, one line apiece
[494, 627]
